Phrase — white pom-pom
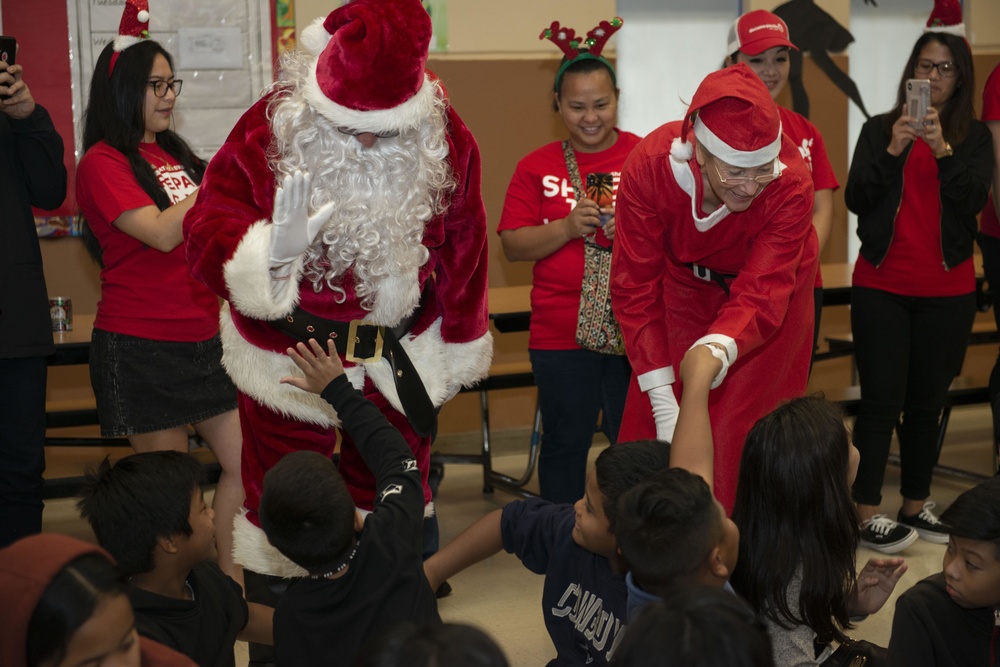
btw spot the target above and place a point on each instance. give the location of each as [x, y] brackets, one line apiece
[314, 37]
[681, 151]
[143, 16]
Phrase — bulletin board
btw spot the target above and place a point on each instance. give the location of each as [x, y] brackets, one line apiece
[224, 50]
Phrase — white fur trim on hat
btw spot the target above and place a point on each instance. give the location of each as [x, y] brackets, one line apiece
[958, 29]
[122, 42]
[405, 116]
[314, 37]
[745, 159]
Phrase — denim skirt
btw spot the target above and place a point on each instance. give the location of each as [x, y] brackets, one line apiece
[144, 385]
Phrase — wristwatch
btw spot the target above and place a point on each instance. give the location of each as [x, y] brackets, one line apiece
[947, 151]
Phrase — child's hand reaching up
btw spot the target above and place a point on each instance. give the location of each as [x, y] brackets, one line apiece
[320, 368]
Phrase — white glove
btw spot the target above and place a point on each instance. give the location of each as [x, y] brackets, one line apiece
[292, 229]
[665, 411]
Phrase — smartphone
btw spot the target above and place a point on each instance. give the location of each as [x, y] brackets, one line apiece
[601, 189]
[8, 52]
[918, 100]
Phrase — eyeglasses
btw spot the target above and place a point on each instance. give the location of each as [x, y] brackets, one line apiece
[388, 134]
[160, 87]
[736, 181]
[947, 69]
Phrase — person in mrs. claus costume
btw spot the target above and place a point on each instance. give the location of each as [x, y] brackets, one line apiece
[349, 193]
[711, 266]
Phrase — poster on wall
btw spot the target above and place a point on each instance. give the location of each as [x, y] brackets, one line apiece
[222, 50]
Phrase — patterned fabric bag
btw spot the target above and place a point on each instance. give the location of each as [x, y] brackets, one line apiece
[596, 327]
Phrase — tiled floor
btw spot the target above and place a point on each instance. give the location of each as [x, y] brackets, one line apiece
[502, 597]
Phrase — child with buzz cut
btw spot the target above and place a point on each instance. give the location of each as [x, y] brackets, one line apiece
[952, 619]
[672, 531]
[364, 575]
[574, 546]
[148, 511]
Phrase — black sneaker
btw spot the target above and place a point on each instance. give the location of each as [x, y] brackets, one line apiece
[883, 534]
[927, 525]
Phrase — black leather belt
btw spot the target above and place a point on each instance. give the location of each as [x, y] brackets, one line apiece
[708, 275]
[360, 341]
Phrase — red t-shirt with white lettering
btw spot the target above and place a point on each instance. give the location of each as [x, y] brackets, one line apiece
[539, 192]
[144, 292]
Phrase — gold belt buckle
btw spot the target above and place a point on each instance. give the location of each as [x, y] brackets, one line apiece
[352, 340]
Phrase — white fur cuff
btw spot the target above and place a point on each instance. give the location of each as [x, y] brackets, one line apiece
[252, 289]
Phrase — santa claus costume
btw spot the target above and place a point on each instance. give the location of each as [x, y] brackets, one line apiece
[740, 281]
[345, 205]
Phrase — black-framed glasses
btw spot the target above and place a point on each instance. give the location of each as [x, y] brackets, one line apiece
[736, 181]
[946, 69]
[388, 134]
[160, 87]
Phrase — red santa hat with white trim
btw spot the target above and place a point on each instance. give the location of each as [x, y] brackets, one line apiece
[369, 73]
[133, 28]
[734, 118]
[946, 17]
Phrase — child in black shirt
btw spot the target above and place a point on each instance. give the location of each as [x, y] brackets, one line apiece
[366, 574]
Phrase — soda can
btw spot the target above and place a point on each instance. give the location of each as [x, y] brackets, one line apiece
[61, 311]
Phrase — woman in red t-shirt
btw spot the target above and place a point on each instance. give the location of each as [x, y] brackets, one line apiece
[155, 356]
[543, 222]
[916, 184]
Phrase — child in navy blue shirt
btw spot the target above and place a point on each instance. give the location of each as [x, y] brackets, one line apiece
[574, 546]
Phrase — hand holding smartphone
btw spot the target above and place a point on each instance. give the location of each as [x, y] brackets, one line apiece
[8, 53]
[918, 101]
[601, 189]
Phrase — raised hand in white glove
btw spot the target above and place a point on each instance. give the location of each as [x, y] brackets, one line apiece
[665, 411]
[293, 229]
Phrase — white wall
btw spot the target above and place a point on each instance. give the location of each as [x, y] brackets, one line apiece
[884, 37]
[671, 46]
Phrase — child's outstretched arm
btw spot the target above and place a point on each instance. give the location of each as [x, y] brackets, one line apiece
[319, 367]
[692, 447]
[474, 544]
[259, 627]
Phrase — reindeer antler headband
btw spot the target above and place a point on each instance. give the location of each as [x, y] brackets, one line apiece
[588, 49]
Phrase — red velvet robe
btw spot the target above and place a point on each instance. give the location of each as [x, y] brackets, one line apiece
[228, 237]
[663, 308]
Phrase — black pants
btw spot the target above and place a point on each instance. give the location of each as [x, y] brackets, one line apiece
[908, 350]
[22, 446]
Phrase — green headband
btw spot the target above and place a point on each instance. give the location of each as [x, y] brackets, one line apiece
[585, 55]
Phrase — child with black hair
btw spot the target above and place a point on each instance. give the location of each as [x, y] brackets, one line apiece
[148, 510]
[696, 626]
[364, 575]
[65, 605]
[952, 619]
[672, 531]
[574, 546]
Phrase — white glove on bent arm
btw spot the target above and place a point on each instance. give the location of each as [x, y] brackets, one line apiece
[292, 229]
[665, 411]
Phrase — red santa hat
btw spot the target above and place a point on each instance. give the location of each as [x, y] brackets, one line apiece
[946, 17]
[756, 32]
[734, 118]
[134, 28]
[370, 72]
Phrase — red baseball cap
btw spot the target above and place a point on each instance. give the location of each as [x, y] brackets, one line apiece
[756, 32]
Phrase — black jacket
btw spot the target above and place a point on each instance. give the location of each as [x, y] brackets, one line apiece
[929, 629]
[31, 174]
[875, 189]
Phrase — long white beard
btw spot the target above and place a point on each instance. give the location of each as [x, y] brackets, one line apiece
[384, 196]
